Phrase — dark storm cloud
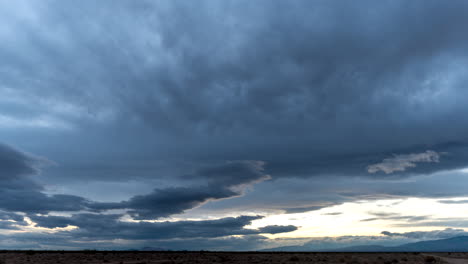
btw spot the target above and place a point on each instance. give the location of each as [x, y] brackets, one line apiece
[323, 81]
[111, 90]
[234, 173]
[169, 201]
[99, 226]
[16, 164]
[340, 86]
[276, 229]
[34, 200]
[223, 181]
[22, 194]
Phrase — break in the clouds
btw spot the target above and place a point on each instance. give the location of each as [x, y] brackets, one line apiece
[138, 111]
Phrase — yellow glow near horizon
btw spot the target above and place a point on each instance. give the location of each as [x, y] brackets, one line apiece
[340, 220]
[323, 223]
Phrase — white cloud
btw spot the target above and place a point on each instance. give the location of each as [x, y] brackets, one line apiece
[38, 122]
[402, 162]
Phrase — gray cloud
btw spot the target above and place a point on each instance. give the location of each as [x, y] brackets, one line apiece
[395, 216]
[16, 164]
[20, 193]
[453, 201]
[11, 221]
[333, 213]
[99, 226]
[11, 216]
[223, 181]
[332, 88]
[295, 210]
[276, 229]
[322, 94]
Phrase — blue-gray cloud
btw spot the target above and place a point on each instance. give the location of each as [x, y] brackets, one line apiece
[341, 86]
[15, 164]
[351, 98]
[22, 194]
[224, 181]
[100, 226]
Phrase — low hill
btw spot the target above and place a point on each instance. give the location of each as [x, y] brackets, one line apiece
[454, 244]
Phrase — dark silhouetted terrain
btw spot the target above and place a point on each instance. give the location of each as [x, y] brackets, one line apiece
[454, 244]
[123, 257]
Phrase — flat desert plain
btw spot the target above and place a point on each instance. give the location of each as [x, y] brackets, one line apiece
[124, 257]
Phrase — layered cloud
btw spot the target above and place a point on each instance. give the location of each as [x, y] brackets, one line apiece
[99, 226]
[338, 87]
[20, 193]
[225, 181]
[185, 106]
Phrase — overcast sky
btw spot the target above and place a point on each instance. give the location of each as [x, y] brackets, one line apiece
[232, 125]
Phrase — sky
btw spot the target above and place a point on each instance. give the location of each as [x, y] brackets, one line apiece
[232, 125]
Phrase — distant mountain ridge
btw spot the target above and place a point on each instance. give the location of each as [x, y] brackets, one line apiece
[454, 244]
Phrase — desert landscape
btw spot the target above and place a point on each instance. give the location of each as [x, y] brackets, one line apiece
[120, 257]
